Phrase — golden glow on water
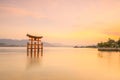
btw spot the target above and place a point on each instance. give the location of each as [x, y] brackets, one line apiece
[60, 64]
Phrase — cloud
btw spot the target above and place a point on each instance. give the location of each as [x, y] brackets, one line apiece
[19, 12]
[113, 30]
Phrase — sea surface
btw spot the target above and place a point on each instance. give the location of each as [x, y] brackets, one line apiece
[59, 63]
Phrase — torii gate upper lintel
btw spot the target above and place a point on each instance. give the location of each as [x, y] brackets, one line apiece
[31, 36]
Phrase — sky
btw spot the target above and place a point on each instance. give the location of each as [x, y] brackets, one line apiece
[76, 22]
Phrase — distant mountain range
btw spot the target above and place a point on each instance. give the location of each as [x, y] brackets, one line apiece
[20, 43]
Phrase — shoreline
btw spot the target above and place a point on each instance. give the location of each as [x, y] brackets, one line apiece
[108, 49]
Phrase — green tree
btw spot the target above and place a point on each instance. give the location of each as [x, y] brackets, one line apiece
[100, 44]
[111, 42]
[118, 42]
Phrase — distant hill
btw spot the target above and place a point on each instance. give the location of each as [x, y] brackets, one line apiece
[17, 43]
[13, 42]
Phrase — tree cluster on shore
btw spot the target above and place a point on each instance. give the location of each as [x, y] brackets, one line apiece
[110, 44]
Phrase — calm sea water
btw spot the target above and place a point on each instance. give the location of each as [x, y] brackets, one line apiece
[59, 64]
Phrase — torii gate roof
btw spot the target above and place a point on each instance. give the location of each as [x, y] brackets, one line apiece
[31, 36]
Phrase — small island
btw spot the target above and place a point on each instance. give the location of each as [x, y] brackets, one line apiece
[89, 46]
[110, 45]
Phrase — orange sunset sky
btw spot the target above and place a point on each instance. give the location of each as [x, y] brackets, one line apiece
[80, 22]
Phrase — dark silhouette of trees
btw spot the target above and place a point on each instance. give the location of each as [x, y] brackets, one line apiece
[118, 42]
[110, 44]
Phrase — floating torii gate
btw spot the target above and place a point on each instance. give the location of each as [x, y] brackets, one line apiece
[34, 45]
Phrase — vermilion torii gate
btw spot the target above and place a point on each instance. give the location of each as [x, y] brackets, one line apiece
[35, 45]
